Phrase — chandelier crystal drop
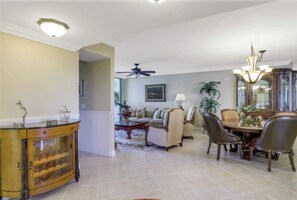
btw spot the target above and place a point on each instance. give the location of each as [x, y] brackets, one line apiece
[251, 73]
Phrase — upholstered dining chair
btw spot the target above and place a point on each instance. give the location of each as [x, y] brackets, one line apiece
[218, 135]
[278, 136]
[286, 113]
[168, 133]
[189, 123]
[230, 114]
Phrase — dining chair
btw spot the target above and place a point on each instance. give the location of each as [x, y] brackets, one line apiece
[230, 114]
[218, 135]
[278, 136]
[286, 113]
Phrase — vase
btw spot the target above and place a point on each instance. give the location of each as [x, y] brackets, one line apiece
[126, 119]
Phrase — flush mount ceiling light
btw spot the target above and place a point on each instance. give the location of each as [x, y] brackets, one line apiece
[156, 1]
[250, 73]
[53, 27]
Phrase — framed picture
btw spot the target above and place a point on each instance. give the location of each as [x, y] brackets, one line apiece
[155, 93]
[81, 88]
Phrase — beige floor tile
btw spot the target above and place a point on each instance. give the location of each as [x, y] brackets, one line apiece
[183, 173]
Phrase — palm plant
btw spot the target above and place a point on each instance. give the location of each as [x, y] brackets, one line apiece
[209, 103]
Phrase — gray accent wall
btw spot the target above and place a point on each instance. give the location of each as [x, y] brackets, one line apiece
[134, 90]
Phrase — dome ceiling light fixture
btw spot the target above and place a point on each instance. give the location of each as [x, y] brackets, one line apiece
[250, 73]
[53, 27]
[156, 1]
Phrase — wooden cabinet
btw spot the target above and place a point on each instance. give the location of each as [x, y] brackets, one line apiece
[34, 160]
[294, 91]
[271, 93]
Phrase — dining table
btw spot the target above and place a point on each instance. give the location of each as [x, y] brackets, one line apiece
[249, 133]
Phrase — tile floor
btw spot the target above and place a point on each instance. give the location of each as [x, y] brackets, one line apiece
[183, 173]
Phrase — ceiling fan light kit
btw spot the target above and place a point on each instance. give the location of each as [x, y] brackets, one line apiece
[53, 27]
[137, 71]
[156, 1]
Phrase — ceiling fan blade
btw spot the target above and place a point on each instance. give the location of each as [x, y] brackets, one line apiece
[148, 71]
[122, 72]
[144, 74]
[130, 74]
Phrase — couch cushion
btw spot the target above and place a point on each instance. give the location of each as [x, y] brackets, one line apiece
[149, 112]
[133, 119]
[157, 114]
[156, 121]
[140, 113]
[145, 119]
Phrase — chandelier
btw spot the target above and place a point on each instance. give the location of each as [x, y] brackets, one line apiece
[250, 73]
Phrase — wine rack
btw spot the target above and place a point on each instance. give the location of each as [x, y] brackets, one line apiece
[37, 159]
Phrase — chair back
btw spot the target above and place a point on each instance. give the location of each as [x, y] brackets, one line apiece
[191, 114]
[215, 129]
[278, 135]
[287, 113]
[229, 114]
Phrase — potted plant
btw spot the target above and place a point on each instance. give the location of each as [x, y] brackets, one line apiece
[209, 103]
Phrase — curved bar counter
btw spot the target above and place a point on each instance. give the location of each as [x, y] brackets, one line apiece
[37, 158]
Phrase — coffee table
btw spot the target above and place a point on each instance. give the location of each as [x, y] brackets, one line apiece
[129, 126]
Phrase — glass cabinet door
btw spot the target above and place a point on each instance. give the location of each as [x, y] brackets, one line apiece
[51, 159]
[284, 94]
[241, 98]
[262, 94]
[294, 91]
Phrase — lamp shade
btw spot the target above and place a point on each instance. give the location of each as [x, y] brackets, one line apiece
[53, 27]
[180, 97]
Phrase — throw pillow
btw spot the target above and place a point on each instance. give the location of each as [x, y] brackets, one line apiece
[163, 113]
[133, 112]
[157, 114]
[140, 113]
[166, 118]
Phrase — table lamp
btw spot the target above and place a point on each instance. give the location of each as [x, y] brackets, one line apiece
[179, 98]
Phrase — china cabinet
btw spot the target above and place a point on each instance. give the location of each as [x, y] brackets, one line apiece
[37, 158]
[271, 94]
[294, 90]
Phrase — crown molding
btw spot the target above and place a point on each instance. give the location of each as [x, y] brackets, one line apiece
[35, 36]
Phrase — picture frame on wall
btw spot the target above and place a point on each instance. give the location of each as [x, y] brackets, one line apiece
[155, 93]
[81, 88]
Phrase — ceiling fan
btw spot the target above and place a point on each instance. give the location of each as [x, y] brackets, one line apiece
[137, 71]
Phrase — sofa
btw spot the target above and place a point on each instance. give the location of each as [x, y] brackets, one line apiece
[150, 115]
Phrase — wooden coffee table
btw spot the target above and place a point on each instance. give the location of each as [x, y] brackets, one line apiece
[129, 126]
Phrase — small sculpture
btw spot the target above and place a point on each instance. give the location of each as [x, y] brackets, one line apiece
[65, 112]
[25, 110]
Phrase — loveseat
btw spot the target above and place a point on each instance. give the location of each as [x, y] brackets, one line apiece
[150, 115]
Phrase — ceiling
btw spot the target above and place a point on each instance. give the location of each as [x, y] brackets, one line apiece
[177, 36]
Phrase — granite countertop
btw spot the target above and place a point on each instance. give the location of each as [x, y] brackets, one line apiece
[42, 124]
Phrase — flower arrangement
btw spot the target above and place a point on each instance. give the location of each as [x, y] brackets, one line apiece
[125, 110]
[246, 117]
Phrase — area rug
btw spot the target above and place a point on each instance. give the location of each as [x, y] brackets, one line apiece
[137, 140]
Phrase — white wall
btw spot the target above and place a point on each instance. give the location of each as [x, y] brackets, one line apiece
[97, 105]
[43, 77]
[134, 89]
